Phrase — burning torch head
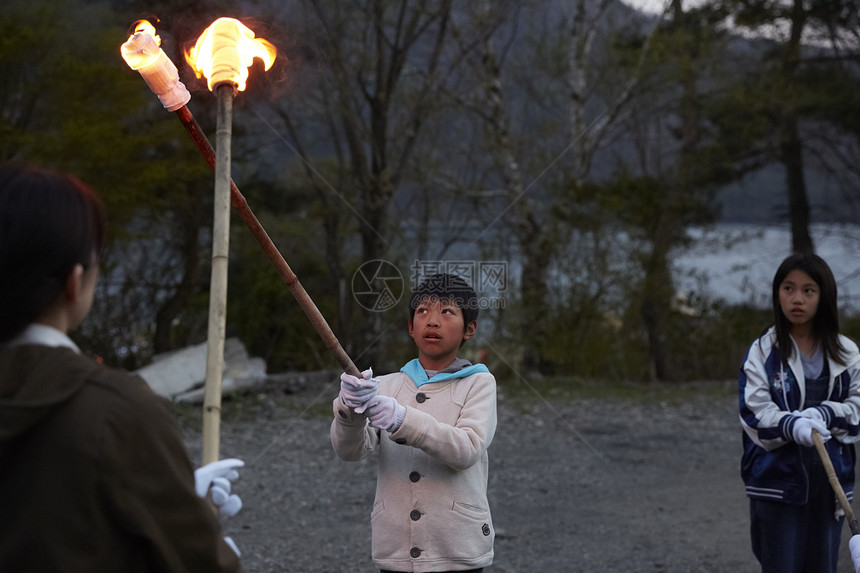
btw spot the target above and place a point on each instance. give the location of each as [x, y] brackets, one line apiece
[142, 52]
[224, 52]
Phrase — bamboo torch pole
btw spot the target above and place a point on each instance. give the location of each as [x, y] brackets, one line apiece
[217, 328]
[223, 56]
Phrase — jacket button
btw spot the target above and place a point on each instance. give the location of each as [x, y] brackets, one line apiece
[421, 397]
[400, 441]
[485, 529]
[414, 477]
[414, 515]
[414, 552]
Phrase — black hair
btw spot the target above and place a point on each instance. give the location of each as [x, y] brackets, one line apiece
[449, 288]
[49, 222]
[825, 324]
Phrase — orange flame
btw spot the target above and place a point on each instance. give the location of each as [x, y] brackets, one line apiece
[224, 52]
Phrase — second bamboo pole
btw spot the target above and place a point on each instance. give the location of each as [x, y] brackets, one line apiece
[217, 329]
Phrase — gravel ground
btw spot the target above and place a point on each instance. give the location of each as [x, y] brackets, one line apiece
[575, 485]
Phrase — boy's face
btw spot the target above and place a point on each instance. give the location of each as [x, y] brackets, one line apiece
[438, 330]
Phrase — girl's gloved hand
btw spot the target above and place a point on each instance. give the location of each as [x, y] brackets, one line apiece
[812, 413]
[801, 430]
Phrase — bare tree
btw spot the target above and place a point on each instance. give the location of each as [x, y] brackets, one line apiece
[379, 69]
[539, 208]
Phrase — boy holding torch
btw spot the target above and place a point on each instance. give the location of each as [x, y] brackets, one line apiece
[431, 424]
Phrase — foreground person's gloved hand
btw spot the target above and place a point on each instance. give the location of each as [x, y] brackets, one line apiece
[217, 477]
[229, 541]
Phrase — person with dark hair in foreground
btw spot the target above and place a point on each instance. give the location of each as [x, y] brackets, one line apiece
[93, 472]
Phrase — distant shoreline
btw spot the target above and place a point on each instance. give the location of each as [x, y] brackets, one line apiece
[738, 260]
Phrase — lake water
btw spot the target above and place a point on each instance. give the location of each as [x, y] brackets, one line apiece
[738, 261]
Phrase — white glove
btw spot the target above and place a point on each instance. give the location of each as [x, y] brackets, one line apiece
[228, 504]
[355, 392]
[218, 476]
[811, 413]
[385, 413]
[802, 430]
[854, 549]
[233, 546]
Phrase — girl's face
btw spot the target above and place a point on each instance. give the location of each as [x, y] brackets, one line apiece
[798, 298]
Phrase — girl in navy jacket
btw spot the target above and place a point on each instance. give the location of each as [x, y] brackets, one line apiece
[798, 377]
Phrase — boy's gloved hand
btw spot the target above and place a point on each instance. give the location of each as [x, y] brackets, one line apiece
[854, 549]
[357, 392]
[802, 430]
[218, 476]
[385, 413]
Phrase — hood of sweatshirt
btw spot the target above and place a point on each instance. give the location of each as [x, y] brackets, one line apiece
[34, 380]
[460, 368]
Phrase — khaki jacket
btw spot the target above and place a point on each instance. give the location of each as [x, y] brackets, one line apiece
[431, 511]
[94, 475]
